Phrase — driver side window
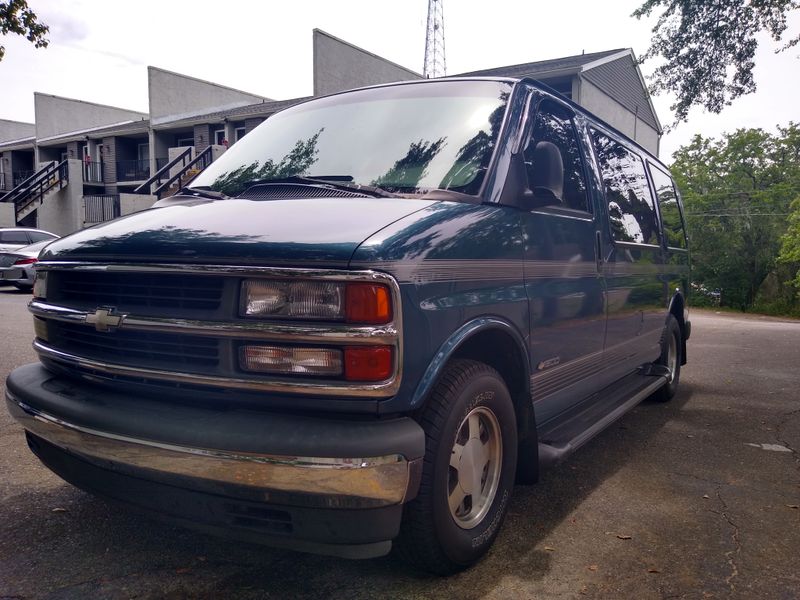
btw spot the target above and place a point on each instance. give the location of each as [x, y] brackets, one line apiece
[553, 162]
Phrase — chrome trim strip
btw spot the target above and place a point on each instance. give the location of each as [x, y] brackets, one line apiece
[262, 330]
[372, 481]
[323, 388]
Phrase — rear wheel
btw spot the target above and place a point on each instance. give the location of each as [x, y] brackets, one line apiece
[468, 473]
[671, 359]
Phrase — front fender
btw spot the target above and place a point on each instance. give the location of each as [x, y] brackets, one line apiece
[454, 342]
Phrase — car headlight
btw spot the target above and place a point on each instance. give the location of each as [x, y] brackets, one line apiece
[353, 302]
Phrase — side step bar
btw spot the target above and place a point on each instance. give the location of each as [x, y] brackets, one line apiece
[553, 450]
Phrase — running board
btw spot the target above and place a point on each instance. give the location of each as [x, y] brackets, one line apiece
[593, 416]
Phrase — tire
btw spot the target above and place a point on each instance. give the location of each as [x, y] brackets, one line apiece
[468, 419]
[670, 358]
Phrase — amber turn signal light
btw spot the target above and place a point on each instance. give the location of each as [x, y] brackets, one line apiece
[368, 303]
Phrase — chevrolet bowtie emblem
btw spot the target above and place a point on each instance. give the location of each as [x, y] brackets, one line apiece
[103, 320]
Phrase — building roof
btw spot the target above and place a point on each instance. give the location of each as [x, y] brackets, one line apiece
[259, 109]
[532, 69]
[123, 128]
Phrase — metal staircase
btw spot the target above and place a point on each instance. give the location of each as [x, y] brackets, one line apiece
[31, 192]
[163, 184]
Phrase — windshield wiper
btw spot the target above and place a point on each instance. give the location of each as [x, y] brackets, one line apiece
[340, 182]
[201, 192]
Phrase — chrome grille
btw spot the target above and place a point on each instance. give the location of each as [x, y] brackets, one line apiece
[155, 350]
[171, 291]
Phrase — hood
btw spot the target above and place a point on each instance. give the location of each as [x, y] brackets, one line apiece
[322, 231]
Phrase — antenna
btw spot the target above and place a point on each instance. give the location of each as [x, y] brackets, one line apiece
[435, 62]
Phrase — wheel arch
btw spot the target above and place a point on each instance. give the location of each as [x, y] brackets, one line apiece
[499, 344]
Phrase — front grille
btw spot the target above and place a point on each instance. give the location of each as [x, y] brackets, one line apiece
[162, 351]
[171, 292]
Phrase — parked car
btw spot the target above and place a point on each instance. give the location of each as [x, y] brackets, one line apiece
[13, 238]
[18, 268]
[365, 321]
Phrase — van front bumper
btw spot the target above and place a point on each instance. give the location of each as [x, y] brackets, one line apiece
[311, 483]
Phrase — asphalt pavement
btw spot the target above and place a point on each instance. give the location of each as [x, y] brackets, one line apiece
[697, 498]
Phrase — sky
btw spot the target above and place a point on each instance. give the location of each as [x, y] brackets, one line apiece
[99, 49]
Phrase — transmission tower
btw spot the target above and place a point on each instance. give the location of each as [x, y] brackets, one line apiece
[435, 62]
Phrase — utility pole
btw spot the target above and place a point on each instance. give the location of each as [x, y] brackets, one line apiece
[435, 62]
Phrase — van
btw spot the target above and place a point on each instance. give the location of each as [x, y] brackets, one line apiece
[365, 322]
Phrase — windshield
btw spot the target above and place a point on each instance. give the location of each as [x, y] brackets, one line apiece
[407, 139]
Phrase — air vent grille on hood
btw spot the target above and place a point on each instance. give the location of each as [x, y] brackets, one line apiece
[287, 191]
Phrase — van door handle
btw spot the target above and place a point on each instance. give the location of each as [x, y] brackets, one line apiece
[598, 250]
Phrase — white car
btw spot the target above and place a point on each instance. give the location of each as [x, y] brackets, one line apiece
[13, 238]
[17, 267]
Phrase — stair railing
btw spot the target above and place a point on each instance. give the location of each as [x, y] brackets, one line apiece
[164, 181]
[37, 185]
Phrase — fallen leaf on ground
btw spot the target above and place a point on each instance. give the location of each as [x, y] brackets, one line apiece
[706, 496]
[654, 570]
[549, 548]
[623, 536]
[592, 567]
[796, 506]
[59, 509]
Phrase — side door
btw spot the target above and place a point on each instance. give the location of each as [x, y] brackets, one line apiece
[634, 259]
[564, 288]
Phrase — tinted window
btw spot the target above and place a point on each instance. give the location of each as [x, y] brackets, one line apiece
[668, 205]
[630, 205]
[553, 138]
[13, 237]
[38, 236]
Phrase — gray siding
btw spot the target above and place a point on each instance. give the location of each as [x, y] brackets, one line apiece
[620, 80]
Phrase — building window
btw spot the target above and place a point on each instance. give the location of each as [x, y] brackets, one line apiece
[219, 137]
[238, 133]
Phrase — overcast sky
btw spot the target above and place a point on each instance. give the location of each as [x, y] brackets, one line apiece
[99, 49]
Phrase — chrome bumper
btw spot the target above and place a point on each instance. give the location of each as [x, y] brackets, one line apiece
[348, 482]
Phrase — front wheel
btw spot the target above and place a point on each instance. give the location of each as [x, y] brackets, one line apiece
[468, 473]
[671, 359]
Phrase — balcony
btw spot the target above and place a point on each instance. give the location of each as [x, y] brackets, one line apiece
[21, 176]
[93, 172]
[133, 170]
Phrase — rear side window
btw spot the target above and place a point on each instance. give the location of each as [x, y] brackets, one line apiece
[674, 231]
[631, 210]
[39, 236]
[13, 237]
[553, 161]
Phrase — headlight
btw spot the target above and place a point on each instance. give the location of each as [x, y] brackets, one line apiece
[298, 299]
[354, 302]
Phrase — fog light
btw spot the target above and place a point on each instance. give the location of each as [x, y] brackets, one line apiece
[368, 363]
[281, 360]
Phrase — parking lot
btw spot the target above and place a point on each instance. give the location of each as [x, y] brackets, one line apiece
[697, 498]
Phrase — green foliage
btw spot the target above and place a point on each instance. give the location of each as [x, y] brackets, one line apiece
[790, 245]
[709, 47]
[737, 192]
[17, 17]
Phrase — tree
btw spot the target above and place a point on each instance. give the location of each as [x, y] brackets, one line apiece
[737, 192]
[790, 245]
[708, 47]
[17, 17]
